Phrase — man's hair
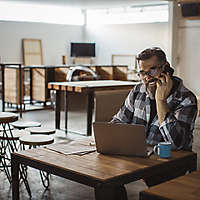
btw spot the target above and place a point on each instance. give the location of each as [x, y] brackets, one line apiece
[150, 52]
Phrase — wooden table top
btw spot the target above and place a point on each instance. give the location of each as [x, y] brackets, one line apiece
[99, 167]
[81, 86]
[182, 188]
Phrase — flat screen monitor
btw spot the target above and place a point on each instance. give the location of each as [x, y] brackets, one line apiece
[82, 49]
[190, 9]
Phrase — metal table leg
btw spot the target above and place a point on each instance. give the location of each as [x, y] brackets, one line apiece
[15, 177]
[90, 107]
[66, 110]
[3, 87]
[57, 111]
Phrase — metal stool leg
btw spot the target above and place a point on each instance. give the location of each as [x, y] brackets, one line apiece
[45, 179]
[8, 147]
[5, 168]
[44, 176]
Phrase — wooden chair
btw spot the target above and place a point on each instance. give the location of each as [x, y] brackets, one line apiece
[182, 188]
[108, 103]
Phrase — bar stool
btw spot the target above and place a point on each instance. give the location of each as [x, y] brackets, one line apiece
[8, 145]
[41, 130]
[16, 134]
[33, 141]
[25, 124]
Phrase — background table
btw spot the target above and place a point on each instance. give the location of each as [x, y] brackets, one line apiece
[87, 87]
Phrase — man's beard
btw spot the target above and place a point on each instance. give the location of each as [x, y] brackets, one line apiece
[151, 86]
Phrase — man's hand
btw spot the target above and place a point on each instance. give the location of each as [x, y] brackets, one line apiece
[164, 86]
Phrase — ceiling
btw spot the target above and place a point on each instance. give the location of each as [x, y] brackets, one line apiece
[90, 3]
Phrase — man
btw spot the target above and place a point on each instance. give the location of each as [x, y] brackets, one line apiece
[161, 102]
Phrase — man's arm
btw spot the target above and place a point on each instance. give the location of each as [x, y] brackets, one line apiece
[162, 110]
[164, 86]
[178, 125]
[175, 125]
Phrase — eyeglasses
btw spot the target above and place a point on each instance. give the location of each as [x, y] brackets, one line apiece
[152, 72]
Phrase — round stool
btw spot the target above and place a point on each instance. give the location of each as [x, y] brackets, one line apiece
[25, 124]
[5, 119]
[41, 130]
[16, 134]
[34, 141]
[6, 146]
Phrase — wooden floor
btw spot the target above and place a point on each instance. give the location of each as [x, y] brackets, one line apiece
[62, 189]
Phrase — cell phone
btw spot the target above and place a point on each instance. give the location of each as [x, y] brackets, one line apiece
[167, 69]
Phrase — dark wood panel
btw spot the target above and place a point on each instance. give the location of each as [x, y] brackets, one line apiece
[183, 188]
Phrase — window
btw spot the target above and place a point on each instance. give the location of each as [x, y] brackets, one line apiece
[26, 12]
[128, 15]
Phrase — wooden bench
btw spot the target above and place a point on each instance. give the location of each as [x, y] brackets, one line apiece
[183, 188]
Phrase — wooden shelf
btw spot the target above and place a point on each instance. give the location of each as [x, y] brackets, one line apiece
[111, 72]
[42, 75]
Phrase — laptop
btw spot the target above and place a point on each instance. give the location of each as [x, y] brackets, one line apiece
[121, 139]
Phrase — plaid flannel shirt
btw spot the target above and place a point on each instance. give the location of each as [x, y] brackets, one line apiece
[178, 125]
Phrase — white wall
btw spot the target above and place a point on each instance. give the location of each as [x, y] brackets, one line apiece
[189, 54]
[55, 40]
[126, 39]
[109, 39]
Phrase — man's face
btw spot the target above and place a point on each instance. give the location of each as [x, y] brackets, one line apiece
[150, 71]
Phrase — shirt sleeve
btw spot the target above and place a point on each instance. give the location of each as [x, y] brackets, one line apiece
[125, 113]
[179, 124]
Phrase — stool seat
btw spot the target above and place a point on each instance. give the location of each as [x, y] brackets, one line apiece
[7, 117]
[41, 130]
[16, 134]
[25, 124]
[36, 140]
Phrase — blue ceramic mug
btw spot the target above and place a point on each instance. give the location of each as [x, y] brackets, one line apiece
[163, 149]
